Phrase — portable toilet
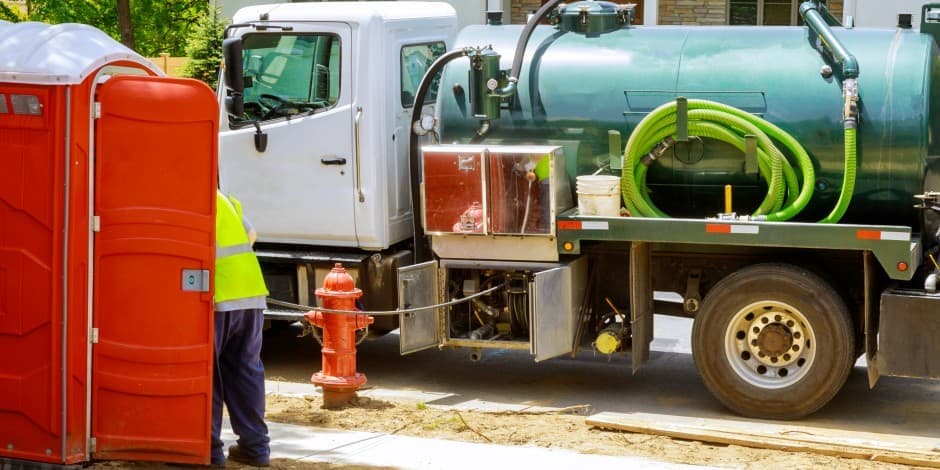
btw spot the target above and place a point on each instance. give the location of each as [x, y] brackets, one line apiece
[108, 174]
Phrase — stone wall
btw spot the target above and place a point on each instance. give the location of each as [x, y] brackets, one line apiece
[691, 12]
[710, 12]
[520, 8]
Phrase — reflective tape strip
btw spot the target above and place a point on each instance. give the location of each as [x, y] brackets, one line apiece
[241, 304]
[588, 225]
[569, 225]
[732, 228]
[221, 252]
[881, 235]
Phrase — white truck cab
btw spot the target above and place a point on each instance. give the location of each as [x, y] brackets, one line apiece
[314, 138]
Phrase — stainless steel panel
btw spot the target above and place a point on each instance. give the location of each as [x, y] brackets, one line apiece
[555, 295]
[418, 287]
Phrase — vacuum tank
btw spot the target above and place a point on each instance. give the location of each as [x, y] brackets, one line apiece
[577, 86]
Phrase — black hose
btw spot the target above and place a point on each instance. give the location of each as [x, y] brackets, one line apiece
[537, 18]
[421, 247]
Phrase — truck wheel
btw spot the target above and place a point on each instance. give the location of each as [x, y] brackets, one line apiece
[773, 341]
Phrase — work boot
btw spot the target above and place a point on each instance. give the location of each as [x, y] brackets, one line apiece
[236, 454]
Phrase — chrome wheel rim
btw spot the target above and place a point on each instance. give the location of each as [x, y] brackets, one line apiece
[770, 344]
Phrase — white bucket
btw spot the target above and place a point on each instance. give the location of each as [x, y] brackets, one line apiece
[598, 195]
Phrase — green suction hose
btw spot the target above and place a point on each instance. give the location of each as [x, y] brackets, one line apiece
[786, 197]
[848, 181]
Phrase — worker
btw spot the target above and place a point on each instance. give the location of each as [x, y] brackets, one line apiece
[240, 295]
[539, 171]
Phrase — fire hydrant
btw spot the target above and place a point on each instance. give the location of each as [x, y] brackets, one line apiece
[339, 378]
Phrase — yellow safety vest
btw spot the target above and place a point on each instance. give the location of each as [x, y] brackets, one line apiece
[238, 280]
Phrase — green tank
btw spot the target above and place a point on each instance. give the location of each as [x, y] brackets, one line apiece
[577, 84]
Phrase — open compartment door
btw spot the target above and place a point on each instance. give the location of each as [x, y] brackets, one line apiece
[556, 295]
[418, 287]
[641, 302]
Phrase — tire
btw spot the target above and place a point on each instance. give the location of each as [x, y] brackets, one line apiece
[773, 341]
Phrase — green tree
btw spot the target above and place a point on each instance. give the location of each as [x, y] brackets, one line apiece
[154, 26]
[8, 13]
[204, 49]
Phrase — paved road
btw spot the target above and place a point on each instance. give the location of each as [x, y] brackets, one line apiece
[667, 384]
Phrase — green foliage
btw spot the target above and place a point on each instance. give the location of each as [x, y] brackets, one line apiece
[204, 49]
[12, 14]
[165, 25]
[159, 25]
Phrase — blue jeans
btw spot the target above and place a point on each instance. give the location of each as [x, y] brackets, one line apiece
[239, 382]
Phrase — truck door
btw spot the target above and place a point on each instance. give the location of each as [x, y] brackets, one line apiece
[154, 247]
[301, 186]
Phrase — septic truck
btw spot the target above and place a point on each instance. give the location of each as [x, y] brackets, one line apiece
[548, 187]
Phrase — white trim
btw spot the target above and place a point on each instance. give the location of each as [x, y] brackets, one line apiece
[650, 12]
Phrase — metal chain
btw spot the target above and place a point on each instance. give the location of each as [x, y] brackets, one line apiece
[313, 330]
[378, 313]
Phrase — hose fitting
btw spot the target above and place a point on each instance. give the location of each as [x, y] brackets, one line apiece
[658, 151]
[850, 110]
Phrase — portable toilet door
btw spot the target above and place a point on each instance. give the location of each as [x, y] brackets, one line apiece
[107, 203]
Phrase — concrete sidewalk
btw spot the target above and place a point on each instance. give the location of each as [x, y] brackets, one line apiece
[308, 444]
[311, 444]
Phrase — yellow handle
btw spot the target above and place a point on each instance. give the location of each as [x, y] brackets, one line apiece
[727, 199]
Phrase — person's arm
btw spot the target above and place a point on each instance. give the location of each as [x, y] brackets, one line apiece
[250, 230]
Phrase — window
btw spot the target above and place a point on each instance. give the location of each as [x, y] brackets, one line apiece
[415, 60]
[289, 74]
[763, 12]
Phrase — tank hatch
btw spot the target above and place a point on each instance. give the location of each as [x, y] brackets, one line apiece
[590, 17]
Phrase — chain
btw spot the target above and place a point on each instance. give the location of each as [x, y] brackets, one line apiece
[308, 328]
[379, 313]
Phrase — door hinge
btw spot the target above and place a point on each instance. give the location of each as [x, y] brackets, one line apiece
[94, 336]
[97, 110]
[96, 223]
[92, 445]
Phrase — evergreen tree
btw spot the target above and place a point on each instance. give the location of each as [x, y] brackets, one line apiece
[204, 49]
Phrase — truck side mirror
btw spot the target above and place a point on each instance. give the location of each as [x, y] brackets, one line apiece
[234, 76]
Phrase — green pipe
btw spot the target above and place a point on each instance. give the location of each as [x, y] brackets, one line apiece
[785, 197]
[817, 23]
[848, 184]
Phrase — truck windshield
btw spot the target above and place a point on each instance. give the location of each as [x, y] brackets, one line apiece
[288, 75]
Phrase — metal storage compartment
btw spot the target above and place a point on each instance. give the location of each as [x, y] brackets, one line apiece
[501, 199]
[534, 310]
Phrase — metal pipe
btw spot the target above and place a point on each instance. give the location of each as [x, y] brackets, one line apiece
[421, 248]
[817, 23]
[516, 70]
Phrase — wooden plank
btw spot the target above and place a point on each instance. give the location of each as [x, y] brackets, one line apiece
[900, 449]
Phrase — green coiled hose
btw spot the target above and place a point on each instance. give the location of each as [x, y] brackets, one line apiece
[786, 196]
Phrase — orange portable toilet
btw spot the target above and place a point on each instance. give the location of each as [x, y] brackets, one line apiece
[107, 203]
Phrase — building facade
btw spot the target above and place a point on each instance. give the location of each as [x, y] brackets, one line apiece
[700, 12]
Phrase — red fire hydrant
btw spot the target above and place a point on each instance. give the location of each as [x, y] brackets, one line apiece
[339, 378]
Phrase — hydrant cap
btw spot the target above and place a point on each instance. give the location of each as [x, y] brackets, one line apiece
[339, 281]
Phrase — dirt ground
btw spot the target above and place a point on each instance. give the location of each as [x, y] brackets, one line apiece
[555, 430]
[562, 429]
